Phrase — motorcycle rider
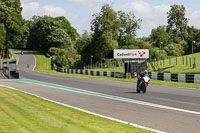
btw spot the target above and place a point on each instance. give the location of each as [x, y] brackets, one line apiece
[142, 74]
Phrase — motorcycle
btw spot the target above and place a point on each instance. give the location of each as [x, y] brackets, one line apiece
[143, 84]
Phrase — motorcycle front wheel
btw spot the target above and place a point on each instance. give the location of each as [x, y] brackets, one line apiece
[144, 88]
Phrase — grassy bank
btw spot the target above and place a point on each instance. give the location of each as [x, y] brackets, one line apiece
[12, 55]
[182, 64]
[22, 113]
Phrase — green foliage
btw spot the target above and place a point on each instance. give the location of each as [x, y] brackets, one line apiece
[154, 54]
[59, 38]
[129, 42]
[46, 32]
[157, 54]
[174, 49]
[104, 28]
[40, 28]
[177, 38]
[142, 44]
[112, 30]
[64, 24]
[177, 22]
[2, 40]
[127, 26]
[159, 37]
[193, 38]
[83, 42]
[104, 21]
[64, 58]
[14, 24]
[184, 45]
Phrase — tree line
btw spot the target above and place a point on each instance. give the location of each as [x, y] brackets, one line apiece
[117, 30]
[110, 29]
[176, 38]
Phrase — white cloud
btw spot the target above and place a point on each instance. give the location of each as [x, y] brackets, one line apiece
[92, 5]
[152, 16]
[94, 1]
[53, 11]
[26, 1]
[194, 18]
[31, 8]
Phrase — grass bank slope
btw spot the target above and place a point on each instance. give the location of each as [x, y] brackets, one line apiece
[181, 64]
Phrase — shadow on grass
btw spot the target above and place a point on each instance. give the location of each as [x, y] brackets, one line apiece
[192, 71]
[165, 68]
[28, 52]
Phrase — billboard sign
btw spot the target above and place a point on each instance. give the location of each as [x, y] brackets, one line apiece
[131, 53]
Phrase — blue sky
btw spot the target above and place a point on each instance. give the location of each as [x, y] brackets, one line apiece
[79, 12]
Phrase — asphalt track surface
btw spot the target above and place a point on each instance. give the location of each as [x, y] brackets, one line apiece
[177, 110]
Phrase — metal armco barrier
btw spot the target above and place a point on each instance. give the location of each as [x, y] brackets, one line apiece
[186, 78]
[91, 72]
[10, 69]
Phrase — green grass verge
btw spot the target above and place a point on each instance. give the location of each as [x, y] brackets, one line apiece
[23, 113]
[42, 63]
[12, 55]
[116, 69]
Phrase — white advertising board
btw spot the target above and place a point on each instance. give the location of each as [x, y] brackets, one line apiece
[131, 54]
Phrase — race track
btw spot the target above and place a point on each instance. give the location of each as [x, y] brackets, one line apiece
[168, 109]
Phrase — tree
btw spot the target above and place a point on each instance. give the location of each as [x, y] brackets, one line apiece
[112, 30]
[64, 24]
[156, 53]
[39, 31]
[196, 44]
[46, 32]
[177, 22]
[104, 28]
[83, 42]
[174, 49]
[16, 30]
[2, 40]
[159, 37]
[60, 39]
[129, 42]
[127, 27]
[64, 58]
[193, 38]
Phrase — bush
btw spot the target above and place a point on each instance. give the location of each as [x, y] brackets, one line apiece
[65, 58]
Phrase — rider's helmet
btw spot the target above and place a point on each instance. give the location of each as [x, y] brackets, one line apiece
[145, 72]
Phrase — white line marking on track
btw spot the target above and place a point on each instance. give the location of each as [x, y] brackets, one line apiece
[35, 63]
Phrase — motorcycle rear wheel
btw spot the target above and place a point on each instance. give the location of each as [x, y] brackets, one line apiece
[137, 89]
